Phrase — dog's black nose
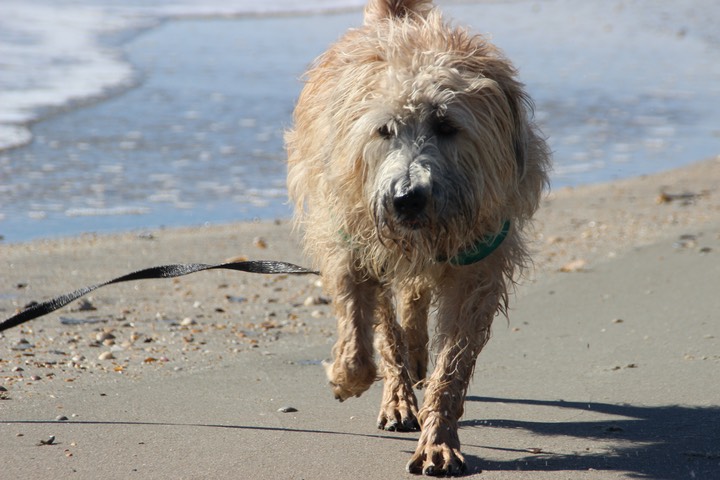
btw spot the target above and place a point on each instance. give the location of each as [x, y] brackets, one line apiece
[411, 203]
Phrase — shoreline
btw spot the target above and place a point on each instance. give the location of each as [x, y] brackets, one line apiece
[630, 212]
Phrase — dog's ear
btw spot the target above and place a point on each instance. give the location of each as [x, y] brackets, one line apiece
[521, 108]
[377, 10]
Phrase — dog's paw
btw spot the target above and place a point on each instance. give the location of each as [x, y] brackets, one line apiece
[350, 380]
[343, 391]
[437, 460]
[438, 451]
[398, 412]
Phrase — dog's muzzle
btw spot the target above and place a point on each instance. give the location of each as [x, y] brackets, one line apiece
[412, 195]
[410, 205]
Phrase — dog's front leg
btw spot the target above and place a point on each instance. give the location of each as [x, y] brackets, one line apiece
[413, 307]
[465, 314]
[404, 355]
[353, 369]
[398, 411]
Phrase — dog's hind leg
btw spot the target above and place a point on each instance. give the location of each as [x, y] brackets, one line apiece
[353, 369]
[398, 410]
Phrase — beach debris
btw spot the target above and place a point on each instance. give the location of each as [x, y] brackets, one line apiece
[80, 321]
[61, 418]
[49, 441]
[287, 409]
[22, 344]
[617, 320]
[260, 242]
[106, 356]
[237, 259]
[85, 305]
[187, 321]
[103, 336]
[686, 198]
[629, 365]
[686, 241]
[235, 299]
[316, 300]
[576, 265]
[535, 450]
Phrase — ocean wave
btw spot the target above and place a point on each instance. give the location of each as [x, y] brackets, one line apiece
[53, 54]
[110, 211]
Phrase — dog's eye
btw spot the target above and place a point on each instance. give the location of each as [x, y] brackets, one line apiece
[445, 128]
[385, 132]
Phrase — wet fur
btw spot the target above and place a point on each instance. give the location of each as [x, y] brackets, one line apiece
[410, 104]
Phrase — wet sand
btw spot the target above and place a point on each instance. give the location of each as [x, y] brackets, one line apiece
[607, 367]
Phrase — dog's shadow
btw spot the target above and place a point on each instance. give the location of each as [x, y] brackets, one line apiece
[659, 442]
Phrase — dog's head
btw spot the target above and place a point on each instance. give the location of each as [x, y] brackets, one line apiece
[432, 135]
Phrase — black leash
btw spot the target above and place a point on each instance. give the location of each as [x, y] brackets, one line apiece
[164, 271]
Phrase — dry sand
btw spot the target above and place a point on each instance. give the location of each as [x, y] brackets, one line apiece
[608, 367]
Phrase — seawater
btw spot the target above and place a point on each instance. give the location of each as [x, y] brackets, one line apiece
[167, 114]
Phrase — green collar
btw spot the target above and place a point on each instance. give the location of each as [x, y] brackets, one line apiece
[483, 248]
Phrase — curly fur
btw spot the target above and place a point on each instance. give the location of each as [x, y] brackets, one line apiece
[413, 139]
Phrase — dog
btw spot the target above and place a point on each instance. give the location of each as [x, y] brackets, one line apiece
[414, 166]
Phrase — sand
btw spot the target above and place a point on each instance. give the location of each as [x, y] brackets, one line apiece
[608, 366]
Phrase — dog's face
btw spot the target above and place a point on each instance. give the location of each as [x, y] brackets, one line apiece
[436, 129]
[431, 166]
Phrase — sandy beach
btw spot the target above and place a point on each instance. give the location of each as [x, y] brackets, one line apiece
[607, 368]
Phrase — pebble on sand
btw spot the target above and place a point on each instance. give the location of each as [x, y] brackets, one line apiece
[186, 322]
[106, 356]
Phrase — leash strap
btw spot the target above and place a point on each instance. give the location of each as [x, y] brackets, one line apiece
[164, 271]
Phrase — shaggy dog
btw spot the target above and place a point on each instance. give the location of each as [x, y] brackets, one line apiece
[414, 166]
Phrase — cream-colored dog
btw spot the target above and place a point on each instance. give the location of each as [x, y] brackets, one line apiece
[414, 166]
